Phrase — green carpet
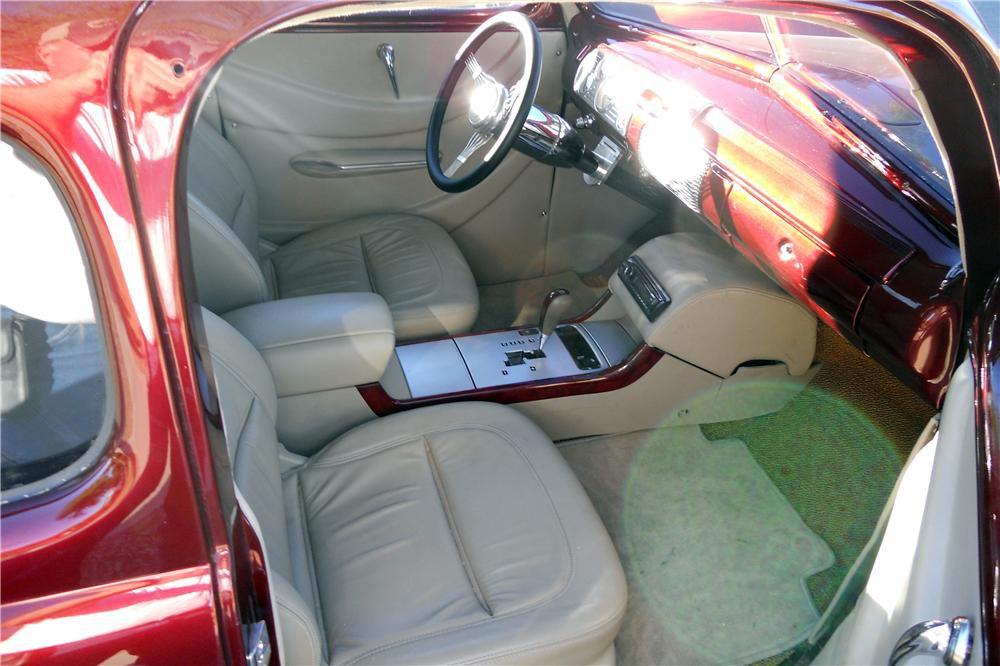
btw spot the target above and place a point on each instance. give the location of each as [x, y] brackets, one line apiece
[835, 450]
[715, 546]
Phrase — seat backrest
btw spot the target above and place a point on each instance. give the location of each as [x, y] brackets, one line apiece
[249, 409]
[222, 216]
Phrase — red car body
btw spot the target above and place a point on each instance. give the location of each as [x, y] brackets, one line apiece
[145, 557]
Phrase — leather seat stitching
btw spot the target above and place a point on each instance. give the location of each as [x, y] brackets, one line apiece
[303, 622]
[456, 536]
[326, 338]
[311, 563]
[570, 570]
[401, 439]
[239, 378]
[241, 250]
[613, 618]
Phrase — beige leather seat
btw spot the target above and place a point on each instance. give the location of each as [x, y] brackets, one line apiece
[447, 534]
[410, 261]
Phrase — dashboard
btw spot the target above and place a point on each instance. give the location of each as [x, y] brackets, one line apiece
[786, 177]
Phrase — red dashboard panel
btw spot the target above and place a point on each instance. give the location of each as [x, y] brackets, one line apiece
[804, 198]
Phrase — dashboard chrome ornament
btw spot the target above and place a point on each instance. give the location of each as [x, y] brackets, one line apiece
[610, 85]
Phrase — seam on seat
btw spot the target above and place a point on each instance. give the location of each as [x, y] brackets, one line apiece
[367, 264]
[311, 566]
[409, 437]
[324, 338]
[306, 627]
[456, 536]
[570, 570]
[239, 377]
[400, 225]
[615, 616]
[216, 225]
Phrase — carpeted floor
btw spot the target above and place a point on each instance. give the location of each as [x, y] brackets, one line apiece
[836, 449]
[519, 303]
[730, 547]
[833, 452]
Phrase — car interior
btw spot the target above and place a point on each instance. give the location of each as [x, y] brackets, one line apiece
[499, 386]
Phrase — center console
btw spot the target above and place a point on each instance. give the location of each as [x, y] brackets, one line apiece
[689, 332]
[503, 358]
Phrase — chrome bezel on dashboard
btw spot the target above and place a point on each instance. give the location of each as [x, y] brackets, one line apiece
[610, 85]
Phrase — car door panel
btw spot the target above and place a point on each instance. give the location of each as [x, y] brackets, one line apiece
[927, 563]
[292, 100]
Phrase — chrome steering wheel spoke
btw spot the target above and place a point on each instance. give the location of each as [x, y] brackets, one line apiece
[475, 69]
[495, 112]
[476, 141]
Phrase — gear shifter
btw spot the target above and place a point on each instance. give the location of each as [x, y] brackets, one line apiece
[554, 308]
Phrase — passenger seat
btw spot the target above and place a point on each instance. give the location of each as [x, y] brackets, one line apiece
[454, 533]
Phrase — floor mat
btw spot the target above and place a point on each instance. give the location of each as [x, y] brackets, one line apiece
[715, 556]
[519, 303]
[836, 449]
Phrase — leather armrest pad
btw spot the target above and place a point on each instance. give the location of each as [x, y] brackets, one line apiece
[723, 310]
[322, 342]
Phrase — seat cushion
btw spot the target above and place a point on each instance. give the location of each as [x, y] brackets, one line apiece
[455, 533]
[411, 262]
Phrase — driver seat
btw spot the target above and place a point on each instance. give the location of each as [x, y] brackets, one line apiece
[410, 261]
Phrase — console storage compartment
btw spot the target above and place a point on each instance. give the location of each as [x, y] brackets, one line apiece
[322, 342]
[721, 313]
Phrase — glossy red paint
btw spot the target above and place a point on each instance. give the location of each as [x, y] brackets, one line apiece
[103, 93]
[149, 617]
[134, 515]
[612, 379]
[984, 347]
[810, 201]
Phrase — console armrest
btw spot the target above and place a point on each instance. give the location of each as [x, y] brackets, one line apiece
[721, 310]
[322, 342]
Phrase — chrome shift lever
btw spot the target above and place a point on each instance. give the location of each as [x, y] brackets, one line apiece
[557, 303]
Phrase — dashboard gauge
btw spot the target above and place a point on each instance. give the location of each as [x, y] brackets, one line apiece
[611, 85]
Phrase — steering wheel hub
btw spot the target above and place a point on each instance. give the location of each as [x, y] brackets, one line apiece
[487, 105]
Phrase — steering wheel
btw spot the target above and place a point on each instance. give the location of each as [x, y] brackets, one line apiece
[496, 113]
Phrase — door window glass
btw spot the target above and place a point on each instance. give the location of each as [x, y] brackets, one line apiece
[53, 393]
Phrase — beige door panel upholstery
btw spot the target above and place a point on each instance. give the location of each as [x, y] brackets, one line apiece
[284, 85]
[926, 566]
[328, 84]
[448, 534]
[283, 102]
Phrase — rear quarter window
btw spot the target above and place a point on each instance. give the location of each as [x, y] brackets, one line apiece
[54, 404]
